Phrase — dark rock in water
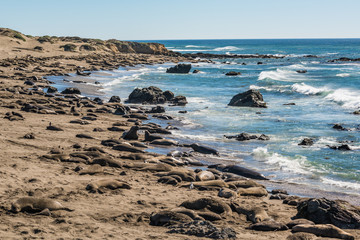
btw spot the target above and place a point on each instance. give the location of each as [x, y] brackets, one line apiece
[157, 109]
[306, 142]
[196, 71]
[183, 112]
[339, 127]
[115, 99]
[180, 68]
[289, 104]
[242, 171]
[270, 225]
[259, 63]
[250, 98]
[154, 95]
[232, 73]
[324, 211]
[132, 133]
[203, 229]
[97, 82]
[357, 112]
[247, 137]
[52, 89]
[71, 90]
[179, 101]
[301, 71]
[343, 147]
[204, 149]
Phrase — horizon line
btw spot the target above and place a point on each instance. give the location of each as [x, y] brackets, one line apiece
[194, 39]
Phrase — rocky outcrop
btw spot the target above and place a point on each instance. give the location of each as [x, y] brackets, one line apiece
[71, 90]
[250, 98]
[232, 73]
[247, 137]
[154, 95]
[306, 142]
[180, 68]
[136, 47]
[325, 211]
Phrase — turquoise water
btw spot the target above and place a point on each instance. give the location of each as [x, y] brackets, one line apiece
[327, 94]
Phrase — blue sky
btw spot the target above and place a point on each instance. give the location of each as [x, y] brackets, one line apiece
[184, 19]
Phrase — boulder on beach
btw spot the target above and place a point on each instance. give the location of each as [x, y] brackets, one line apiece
[154, 95]
[250, 98]
[180, 68]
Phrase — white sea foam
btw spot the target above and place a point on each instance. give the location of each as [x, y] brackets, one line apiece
[343, 75]
[342, 184]
[288, 164]
[282, 75]
[193, 46]
[197, 137]
[227, 48]
[308, 90]
[277, 88]
[349, 99]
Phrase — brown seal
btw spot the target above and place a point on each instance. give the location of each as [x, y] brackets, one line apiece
[32, 204]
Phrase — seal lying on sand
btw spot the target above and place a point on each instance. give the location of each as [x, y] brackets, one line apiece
[211, 204]
[101, 185]
[254, 213]
[323, 230]
[31, 204]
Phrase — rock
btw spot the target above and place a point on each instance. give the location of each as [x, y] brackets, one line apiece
[269, 225]
[306, 142]
[203, 229]
[232, 73]
[121, 110]
[154, 95]
[71, 90]
[339, 127]
[324, 230]
[325, 211]
[157, 109]
[259, 63]
[250, 98]
[196, 71]
[131, 134]
[180, 68]
[301, 71]
[203, 149]
[289, 104]
[343, 147]
[115, 99]
[52, 89]
[179, 101]
[247, 137]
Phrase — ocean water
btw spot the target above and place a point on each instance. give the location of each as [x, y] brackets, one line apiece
[327, 94]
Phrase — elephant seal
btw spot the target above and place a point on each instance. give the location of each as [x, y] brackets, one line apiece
[151, 137]
[227, 193]
[270, 225]
[244, 184]
[253, 213]
[164, 142]
[203, 149]
[32, 204]
[107, 161]
[210, 183]
[127, 148]
[205, 176]
[101, 185]
[323, 230]
[165, 218]
[252, 191]
[132, 133]
[211, 204]
[243, 172]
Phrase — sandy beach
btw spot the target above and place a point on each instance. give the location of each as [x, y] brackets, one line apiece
[54, 147]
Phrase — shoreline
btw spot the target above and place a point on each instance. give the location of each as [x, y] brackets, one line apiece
[49, 165]
[298, 189]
